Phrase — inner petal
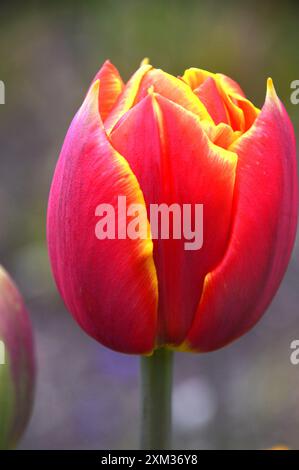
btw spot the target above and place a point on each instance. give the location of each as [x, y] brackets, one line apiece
[174, 89]
[240, 112]
[209, 95]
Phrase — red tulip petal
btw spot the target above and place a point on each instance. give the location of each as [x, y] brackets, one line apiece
[195, 77]
[174, 89]
[221, 135]
[127, 98]
[109, 285]
[229, 84]
[110, 89]
[250, 112]
[209, 95]
[240, 112]
[239, 290]
[174, 162]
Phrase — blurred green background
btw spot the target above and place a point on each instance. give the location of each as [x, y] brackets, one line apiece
[244, 396]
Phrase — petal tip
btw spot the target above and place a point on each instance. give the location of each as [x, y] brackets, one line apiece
[271, 92]
[145, 61]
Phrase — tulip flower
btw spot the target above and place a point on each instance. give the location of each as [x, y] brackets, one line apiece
[158, 139]
[161, 139]
[17, 364]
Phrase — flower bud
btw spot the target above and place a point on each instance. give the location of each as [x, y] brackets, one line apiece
[17, 363]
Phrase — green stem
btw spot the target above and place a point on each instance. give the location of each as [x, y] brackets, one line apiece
[156, 387]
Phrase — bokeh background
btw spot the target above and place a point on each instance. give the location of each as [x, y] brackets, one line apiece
[244, 396]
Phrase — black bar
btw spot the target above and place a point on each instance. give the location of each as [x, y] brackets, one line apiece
[136, 458]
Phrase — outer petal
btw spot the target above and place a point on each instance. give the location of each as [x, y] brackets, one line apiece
[111, 87]
[17, 375]
[174, 162]
[127, 98]
[110, 286]
[239, 290]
